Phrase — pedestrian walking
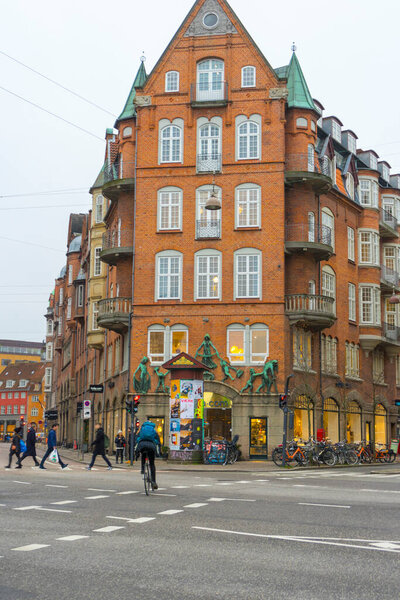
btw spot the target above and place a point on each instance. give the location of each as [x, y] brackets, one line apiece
[120, 446]
[30, 446]
[52, 445]
[15, 447]
[99, 447]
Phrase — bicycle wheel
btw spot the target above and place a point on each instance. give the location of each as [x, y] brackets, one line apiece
[277, 456]
[392, 455]
[351, 457]
[235, 455]
[147, 478]
[329, 458]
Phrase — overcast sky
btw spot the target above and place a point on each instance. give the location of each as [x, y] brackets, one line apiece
[348, 51]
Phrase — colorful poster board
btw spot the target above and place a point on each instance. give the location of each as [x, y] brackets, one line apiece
[186, 414]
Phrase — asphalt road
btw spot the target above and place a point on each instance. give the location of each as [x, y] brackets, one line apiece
[73, 534]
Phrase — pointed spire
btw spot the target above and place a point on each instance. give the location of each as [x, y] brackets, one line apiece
[299, 94]
[129, 108]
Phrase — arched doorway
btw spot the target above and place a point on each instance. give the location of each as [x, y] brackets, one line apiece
[331, 420]
[380, 424]
[217, 416]
[353, 422]
[303, 417]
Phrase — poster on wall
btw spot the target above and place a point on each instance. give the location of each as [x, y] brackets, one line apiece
[186, 434]
[175, 440]
[186, 414]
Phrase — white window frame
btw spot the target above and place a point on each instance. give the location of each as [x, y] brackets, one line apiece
[99, 208]
[69, 308]
[368, 239]
[328, 219]
[350, 185]
[168, 198]
[61, 297]
[170, 155]
[328, 284]
[172, 77]
[352, 368]
[208, 254]
[351, 144]
[49, 352]
[247, 252]
[97, 262]
[49, 327]
[60, 325]
[70, 274]
[240, 121]
[168, 254]
[235, 358]
[246, 195]
[311, 226]
[158, 359]
[373, 302]
[95, 314]
[34, 411]
[351, 254]
[245, 75]
[47, 377]
[80, 296]
[352, 302]
[177, 328]
[258, 359]
[336, 131]
[369, 192]
[302, 339]
[373, 162]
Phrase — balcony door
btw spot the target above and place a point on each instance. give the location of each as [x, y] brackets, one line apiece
[208, 222]
[210, 80]
[210, 148]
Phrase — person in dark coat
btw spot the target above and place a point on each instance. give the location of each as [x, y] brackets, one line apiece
[148, 441]
[15, 447]
[52, 445]
[120, 446]
[30, 445]
[99, 448]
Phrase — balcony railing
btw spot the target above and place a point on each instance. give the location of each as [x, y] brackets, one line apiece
[391, 332]
[208, 229]
[325, 166]
[389, 276]
[300, 232]
[117, 238]
[114, 314]
[388, 219]
[309, 303]
[209, 92]
[119, 170]
[209, 163]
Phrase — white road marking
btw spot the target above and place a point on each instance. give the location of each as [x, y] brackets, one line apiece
[306, 486]
[57, 510]
[216, 499]
[162, 489]
[243, 481]
[109, 529]
[381, 491]
[119, 518]
[2, 505]
[170, 512]
[195, 505]
[202, 485]
[290, 538]
[179, 487]
[261, 480]
[56, 486]
[97, 490]
[72, 538]
[225, 483]
[23, 482]
[155, 495]
[141, 520]
[30, 547]
[95, 497]
[26, 507]
[65, 502]
[328, 505]
[388, 545]
[126, 493]
[230, 500]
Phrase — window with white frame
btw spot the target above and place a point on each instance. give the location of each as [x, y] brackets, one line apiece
[369, 192]
[170, 209]
[179, 340]
[210, 80]
[385, 172]
[16, 395]
[15, 409]
[95, 314]
[70, 274]
[49, 327]
[209, 147]
[302, 122]
[69, 308]
[248, 76]
[248, 273]
[398, 369]
[247, 345]
[368, 243]
[97, 262]
[10, 383]
[352, 367]
[248, 137]
[60, 326]
[35, 398]
[336, 131]
[311, 158]
[351, 144]
[79, 295]
[352, 302]
[172, 81]
[208, 275]
[350, 244]
[248, 206]
[23, 395]
[2, 410]
[156, 344]
[49, 351]
[34, 412]
[370, 305]
[329, 284]
[378, 366]
[302, 348]
[328, 354]
[47, 377]
[99, 209]
[204, 216]
[164, 342]
[259, 343]
[169, 275]
[311, 226]
[350, 185]
[61, 297]
[328, 225]
[9, 409]
[171, 144]
[373, 162]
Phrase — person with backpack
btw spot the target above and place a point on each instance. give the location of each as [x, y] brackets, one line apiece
[148, 441]
[100, 443]
[30, 448]
[15, 447]
[119, 446]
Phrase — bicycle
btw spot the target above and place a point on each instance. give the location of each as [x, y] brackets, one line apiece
[146, 476]
[293, 452]
[232, 451]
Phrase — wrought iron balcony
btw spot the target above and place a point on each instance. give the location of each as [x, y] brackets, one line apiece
[118, 177]
[300, 238]
[209, 94]
[117, 244]
[209, 163]
[389, 279]
[317, 173]
[314, 311]
[208, 230]
[114, 314]
[387, 224]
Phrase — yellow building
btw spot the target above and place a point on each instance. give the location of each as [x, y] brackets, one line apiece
[12, 351]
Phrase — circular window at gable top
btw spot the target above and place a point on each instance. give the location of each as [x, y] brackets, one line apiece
[210, 20]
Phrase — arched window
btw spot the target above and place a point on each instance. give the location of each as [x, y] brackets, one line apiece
[259, 343]
[210, 80]
[380, 424]
[331, 420]
[179, 339]
[248, 205]
[169, 275]
[353, 422]
[248, 140]
[303, 417]
[235, 340]
[156, 344]
[99, 209]
[328, 226]
[172, 81]
[171, 144]
[164, 342]
[127, 132]
[208, 274]
[169, 209]
[248, 76]
[329, 284]
[301, 122]
[247, 345]
[209, 159]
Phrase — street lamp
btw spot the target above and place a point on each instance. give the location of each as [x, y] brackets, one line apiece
[213, 202]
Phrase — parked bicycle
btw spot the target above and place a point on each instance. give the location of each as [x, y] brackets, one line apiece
[232, 451]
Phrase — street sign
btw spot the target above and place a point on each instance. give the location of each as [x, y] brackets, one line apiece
[96, 389]
[87, 405]
[51, 414]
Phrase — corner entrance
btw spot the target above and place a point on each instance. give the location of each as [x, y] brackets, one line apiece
[217, 416]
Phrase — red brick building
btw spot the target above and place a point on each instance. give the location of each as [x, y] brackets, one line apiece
[297, 265]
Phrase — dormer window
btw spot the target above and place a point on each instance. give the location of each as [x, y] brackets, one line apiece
[248, 76]
[373, 162]
[351, 144]
[172, 81]
[336, 131]
[23, 383]
[385, 172]
[9, 383]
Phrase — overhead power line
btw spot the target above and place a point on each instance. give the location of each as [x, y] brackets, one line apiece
[30, 244]
[47, 206]
[58, 84]
[51, 113]
[48, 193]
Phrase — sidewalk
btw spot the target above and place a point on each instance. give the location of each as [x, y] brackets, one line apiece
[243, 466]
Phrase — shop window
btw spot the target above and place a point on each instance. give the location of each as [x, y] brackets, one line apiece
[380, 424]
[331, 420]
[303, 418]
[258, 447]
[353, 422]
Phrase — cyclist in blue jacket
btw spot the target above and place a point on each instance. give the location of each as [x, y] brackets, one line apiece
[147, 442]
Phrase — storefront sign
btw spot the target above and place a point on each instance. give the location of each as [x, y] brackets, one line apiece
[218, 402]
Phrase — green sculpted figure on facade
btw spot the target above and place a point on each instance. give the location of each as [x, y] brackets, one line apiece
[161, 387]
[268, 378]
[206, 351]
[226, 367]
[250, 382]
[143, 382]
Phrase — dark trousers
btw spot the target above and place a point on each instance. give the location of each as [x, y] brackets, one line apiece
[12, 452]
[29, 453]
[48, 452]
[102, 454]
[151, 454]
[119, 454]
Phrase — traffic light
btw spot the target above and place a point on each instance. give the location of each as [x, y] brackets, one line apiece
[282, 401]
[22, 421]
[136, 402]
[129, 406]
[137, 426]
